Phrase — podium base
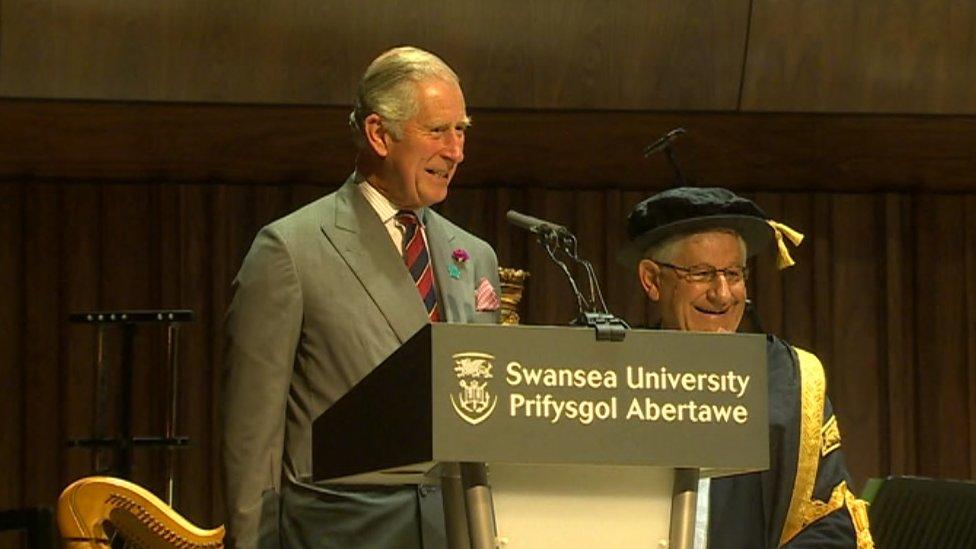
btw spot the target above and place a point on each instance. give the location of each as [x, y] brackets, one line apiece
[572, 506]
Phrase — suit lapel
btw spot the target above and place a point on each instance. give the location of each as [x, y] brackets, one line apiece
[360, 237]
[452, 291]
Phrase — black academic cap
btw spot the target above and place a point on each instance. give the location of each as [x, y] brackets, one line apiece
[687, 210]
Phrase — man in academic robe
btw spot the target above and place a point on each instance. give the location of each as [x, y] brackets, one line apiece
[689, 247]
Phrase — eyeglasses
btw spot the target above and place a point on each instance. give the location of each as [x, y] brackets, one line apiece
[706, 274]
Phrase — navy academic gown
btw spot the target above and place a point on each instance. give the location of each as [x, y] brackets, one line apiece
[749, 511]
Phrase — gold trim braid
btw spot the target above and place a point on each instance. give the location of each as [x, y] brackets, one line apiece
[858, 508]
[815, 437]
[812, 390]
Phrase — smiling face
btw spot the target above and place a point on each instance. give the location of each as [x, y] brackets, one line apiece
[416, 168]
[715, 306]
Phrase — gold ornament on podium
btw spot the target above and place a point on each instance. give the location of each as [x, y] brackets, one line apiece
[513, 283]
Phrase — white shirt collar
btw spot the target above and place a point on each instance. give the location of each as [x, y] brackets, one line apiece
[385, 209]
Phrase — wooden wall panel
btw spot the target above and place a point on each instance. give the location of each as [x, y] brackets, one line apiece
[129, 261]
[898, 311]
[942, 373]
[823, 276]
[600, 55]
[198, 407]
[101, 141]
[41, 359]
[855, 369]
[80, 274]
[184, 50]
[592, 232]
[620, 283]
[228, 248]
[626, 54]
[969, 252]
[275, 145]
[766, 286]
[873, 56]
[861, 56]
[798, 281]
[12, 370]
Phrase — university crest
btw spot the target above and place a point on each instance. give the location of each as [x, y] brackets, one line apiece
[473, 403]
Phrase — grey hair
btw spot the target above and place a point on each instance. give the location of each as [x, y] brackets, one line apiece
[387, 88]
[667, 249]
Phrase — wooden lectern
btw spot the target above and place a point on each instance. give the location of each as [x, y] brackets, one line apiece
[582, 442]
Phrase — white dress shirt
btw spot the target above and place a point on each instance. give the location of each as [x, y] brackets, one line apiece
[387, 211]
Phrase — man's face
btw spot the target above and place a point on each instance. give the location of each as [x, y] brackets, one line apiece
[715, 306]
[418, 167]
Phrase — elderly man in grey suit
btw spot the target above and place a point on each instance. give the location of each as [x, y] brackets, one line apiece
[326, 293]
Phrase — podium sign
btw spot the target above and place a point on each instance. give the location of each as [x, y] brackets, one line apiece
[550, 395]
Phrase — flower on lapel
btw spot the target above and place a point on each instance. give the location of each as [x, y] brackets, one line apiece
[460, 255]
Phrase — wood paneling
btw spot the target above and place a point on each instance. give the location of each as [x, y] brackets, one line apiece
[192, 286]
[942, 374]
[898, 311]
[12, 369]
[857, 327]
[81, 232]
[255, 144]
[41, 360]
[624, 54]
[125, 142]
[865, 56]
[894, 56]
[629, 54]
[969, 252]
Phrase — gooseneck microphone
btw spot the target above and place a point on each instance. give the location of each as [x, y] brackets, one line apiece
[663, 144]
[556, 239]
[534, 225]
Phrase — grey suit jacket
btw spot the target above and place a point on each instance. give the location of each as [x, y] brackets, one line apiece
[322, 298]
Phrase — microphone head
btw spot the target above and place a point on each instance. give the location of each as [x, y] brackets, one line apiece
[533, 224]
[664, 142]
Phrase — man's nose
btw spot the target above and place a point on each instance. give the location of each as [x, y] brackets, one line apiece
[719, 288]
[454, 147]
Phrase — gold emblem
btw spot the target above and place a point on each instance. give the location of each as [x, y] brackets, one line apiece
[830, 436]
[473, 403]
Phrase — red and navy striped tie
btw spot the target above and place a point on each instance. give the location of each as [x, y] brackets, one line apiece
[418, 261]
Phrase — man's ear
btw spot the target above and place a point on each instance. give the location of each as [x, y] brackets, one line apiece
[377, 135]
[649, 274]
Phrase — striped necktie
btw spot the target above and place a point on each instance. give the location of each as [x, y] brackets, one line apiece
[418, 261]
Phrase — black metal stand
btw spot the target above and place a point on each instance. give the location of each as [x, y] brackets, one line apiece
[122, 444]
[37, 522]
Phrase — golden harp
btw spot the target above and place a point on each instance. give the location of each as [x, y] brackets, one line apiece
[94, 510]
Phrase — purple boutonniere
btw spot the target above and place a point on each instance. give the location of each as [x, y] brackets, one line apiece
[460, 255]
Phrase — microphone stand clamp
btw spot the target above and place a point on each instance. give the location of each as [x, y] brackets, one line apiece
[607, 326]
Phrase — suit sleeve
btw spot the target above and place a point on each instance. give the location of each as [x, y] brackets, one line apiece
[262, 330]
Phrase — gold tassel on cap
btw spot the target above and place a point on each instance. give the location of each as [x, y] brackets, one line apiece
[784, 259]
